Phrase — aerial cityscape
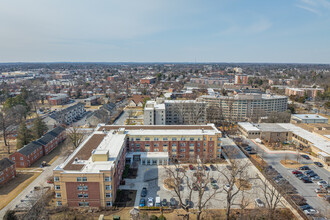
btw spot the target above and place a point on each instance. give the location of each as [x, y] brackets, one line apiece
[165, 110]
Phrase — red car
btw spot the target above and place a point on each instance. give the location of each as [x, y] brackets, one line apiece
[296, 172]
[191, 167]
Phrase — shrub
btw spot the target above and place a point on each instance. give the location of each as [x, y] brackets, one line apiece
[153, 217]
[161, 217]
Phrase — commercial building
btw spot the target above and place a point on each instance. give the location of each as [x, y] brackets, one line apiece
[33, 151]
[174, 112]
[245, 106]
[91, 175]
[148, 80]
[286, 132]
[7, 170]
[308, 118]
[210, 82]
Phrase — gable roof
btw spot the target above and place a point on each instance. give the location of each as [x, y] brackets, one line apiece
[5, 163]
[27, 149]
[138, 98]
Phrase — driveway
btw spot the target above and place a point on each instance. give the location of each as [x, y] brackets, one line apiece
[41, 180]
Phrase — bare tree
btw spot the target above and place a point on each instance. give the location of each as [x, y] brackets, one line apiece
[234, 177]
[7, 121]
[272, 197]
[199, 182]
[75, 136]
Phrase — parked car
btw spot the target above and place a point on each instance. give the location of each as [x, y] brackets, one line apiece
[299, 200]
[308, 171]
[164, 202]
[321, 190]
[227, 187]
[191, 167]
[310, 211]
[214, 186]
[206, 168]
[305, 156]
[316, 178]
[304, 207]
[259, 203]
[312, 174]
[306, 180]
[318, 164]
[213, 168]
[299, 176]
[173, 203]
[296, 172]
[229, 167]
[158, 202]
[150, 202]
[321, 183]
[302, 176]
[194, 187]
[188, 203]
[304, 168]
[142, 202]
[144, 192]
[212, 180]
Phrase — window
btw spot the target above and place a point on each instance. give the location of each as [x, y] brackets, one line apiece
[173, 150]
[81, 204]
[85, 195]
[13, 158]
[183, 139]
[137, 145]
[108, 203]
[165, 139]
[165, 145]
[86, 204]
[84, 179]
[107, 179]
[80, 195]
[56, 178]
[108, 187]
[78, 179]
[79, 188]
[156, 145]
[192, 139]
[192, 145]
[57, 187]
[22, 163]
[173, 145]
[108, 195]
[137, 139]
[183, 144]
[85, 188]
[173, 139]
[59, 203]
[183, 150]
[156, 139]
[147, 139]
[58, 195]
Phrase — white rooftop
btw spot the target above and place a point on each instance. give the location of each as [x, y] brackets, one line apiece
[248, 126]
[308, 116]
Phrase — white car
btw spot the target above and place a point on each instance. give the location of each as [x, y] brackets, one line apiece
[319, 190]
[310, 211]
[150, 202]
[227, 186]
[259, 203]
[321, 183]
[316, 178]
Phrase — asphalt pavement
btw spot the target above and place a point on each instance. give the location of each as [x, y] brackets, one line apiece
[304, 189]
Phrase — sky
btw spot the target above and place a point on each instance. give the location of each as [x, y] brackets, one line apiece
[275, 31]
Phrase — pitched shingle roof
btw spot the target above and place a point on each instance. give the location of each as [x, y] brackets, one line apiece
[27, 149]
[5, 163]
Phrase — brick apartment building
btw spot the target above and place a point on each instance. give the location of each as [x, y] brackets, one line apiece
[309, 92]
[91, 174]
[7, 170]
[33, 151]
[58, 99]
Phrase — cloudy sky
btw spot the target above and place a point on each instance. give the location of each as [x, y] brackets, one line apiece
[165, 31]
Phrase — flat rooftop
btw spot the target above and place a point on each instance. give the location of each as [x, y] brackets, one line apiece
[308, 116]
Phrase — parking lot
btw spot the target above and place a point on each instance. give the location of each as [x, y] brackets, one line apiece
[152, 177]
[306, 190]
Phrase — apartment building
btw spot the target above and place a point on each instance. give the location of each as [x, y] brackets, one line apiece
[91, 174]
[33, 151]
[309, 92]
[7, 170]
[244, 106]
[65, 116]
[241, 79]
[148, 80]
[174, 112]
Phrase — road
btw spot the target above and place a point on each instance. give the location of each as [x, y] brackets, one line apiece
[41, 180]
[305, 189]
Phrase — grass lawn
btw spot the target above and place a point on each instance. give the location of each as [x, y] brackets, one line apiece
[12, 188]
[292, 164]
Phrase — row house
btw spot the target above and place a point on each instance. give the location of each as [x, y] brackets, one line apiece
[33, 151]
[7, 170]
